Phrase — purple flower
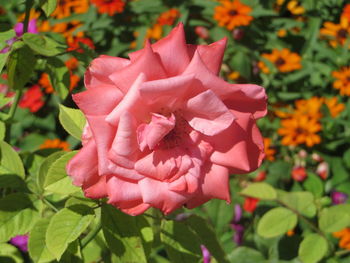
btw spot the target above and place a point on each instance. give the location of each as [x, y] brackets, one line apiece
[238, 228]
[338, 197]
[19, 32]
[20, 241]
[206, 254]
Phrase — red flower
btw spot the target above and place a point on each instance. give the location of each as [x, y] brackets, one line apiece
[75, 44]
[250, 204]
[261, 176]
[32, 99]
[299, 173]
[110, 7]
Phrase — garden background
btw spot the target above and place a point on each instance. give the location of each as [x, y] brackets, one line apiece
[294, 208]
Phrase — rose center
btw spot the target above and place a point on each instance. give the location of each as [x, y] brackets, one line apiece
[342, 33]
[280, 62]
[175, 137]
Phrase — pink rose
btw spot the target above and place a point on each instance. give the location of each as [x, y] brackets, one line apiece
[163, 129]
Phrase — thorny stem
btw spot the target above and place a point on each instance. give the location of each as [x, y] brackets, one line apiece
[86, 240]
[50, 205]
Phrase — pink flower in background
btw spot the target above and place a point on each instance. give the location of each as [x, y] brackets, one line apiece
[19, 32]
[206, 254]
[163, 129]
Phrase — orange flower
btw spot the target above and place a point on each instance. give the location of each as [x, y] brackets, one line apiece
[295, 8]
[110, 7]
[269, 152]
[168, 17]
[231, 14]
[75, 42]
[337, 33]
[346, 12]
[284, 60]
[342, 82]
[72, 63]
[309, 107]
[154, 32]
[74, 80]
[281, 33]
[290, 233]
[66, 8]
[234, 75]
[344, 236]
[300, 129]
[45, 83]
[56, 144]
[334, 107]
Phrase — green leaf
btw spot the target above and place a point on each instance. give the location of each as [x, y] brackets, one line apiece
[6, 35]
[10, 162]
[314, 184]
[12, 181]
[66, 226]
[3, 60]
[245, 255]
[2, 130]
[18, 213]
[10, 254]
[72, 120]
[276, 221]
[48, 6]
[312, 249]
[303, 202]
[59, 76]
[20, 67]
[220, 214]
[241, 62]
[181, 244]
[36, 244]
[334, 218]
[123, 234]
[43, 45]
[339, 172]
[45, 165]
[57, 180]
[260, 190]
[207, 237]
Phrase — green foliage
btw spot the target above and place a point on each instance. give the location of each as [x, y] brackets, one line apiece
[48, 6]
[260, 190]
[66, 226]
[313, 248]
[43, 45]
[10, 161]
[334, 218]
[72, 120]
[276, 221]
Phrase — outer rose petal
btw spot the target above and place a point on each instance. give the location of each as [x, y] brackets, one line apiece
[211, 55]
[239, 147]
[174, 43]
[100, 68]
[148, 63]
[215, 185]
[89, 101]
[207, 114]
[83, 166]
[97, 188]
[158, 195]
[251, 98]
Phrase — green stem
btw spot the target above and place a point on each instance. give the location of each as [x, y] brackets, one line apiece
[50, 205]
[11, 114]
[342, 253]
[29, 4]
[86, 240]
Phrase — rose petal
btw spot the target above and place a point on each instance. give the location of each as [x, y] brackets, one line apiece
[211, 55]
[83, 166]
[148, 63]
[100, 100]
[96, 189]
[100, 69]
[239, 147]
[149, 135]
[207, 114]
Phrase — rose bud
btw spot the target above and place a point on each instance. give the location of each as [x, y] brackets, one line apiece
[299, 173]
[202, 32]
[261, 176]
[165, 131]
[238, 33]
[250, 204]
[322, 170]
